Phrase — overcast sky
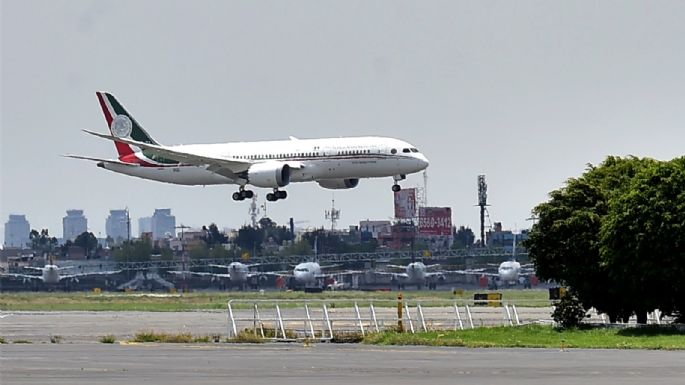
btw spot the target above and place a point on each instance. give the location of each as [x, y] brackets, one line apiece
[526, 92]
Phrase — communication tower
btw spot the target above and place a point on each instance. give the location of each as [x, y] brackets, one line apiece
[254, 210]
[333, 215]
[482, 203]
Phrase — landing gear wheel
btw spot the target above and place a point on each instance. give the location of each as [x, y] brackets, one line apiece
[249, 194]
[237, 196]
[281, 194]
[396, 188]
[271, 197]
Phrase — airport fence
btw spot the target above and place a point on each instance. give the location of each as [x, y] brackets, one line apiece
[324, 319]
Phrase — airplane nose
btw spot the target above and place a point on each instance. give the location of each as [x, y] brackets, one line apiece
[423, 161]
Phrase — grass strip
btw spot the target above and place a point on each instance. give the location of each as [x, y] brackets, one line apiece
[86, 301]
[540, 336]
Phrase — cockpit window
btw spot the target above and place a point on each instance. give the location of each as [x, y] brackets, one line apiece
[393, 151]
[406, 150]
[414, 150]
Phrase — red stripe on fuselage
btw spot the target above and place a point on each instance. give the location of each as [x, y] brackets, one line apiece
[133, 159]
[122, 148]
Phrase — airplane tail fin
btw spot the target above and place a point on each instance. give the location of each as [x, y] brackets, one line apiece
[121, 123]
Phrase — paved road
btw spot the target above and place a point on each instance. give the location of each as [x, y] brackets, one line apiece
[329, 364]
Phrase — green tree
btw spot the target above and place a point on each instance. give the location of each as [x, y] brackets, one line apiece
[219, 252]
[134, 251]
[643, 239]
[463, 238]
[42, 242]
[326, 242]
[87, 242]
[250, 238]
[584, 230]
[166, 254]
[197, 250]
[301, 247]
[213, 237]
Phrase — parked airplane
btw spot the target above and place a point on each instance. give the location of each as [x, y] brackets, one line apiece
[310, 275]
[237, 272]
[508, 273]
[416, 273]
[51, 274]
[334, 163]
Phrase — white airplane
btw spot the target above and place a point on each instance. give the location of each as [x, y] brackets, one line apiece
[310, 274]
[509, 273]
[334, 163]
[51, 274]
[238, 273]
[416, 273]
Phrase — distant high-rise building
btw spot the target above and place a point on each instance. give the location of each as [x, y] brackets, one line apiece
[163, 224]
[17, 231]
[73, 225]
[116, 225]
[144, 225]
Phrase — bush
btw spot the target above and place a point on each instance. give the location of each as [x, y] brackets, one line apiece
[347, 338]
[569, 312]
[151, 336]
[2, 340]
[108, 339]
[56, 339]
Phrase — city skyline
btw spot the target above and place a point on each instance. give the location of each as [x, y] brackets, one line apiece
[527, 93]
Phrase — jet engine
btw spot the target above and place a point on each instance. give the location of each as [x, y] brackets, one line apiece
[269, 174]
[338, 184]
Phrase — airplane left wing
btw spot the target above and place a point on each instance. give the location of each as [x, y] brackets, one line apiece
[395, 275]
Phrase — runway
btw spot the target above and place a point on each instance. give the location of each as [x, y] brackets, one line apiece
[155, 364]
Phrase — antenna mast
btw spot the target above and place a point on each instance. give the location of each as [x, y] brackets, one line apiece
[333, 215]
[254, 210]
[482, 203]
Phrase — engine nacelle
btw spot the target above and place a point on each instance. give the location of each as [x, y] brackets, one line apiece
[269, 174]
[338, 184]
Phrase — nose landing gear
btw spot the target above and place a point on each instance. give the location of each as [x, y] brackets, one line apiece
[242, 194]
[396, 187]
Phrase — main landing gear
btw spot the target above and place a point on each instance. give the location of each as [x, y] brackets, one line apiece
[276, 195]
[242, 194]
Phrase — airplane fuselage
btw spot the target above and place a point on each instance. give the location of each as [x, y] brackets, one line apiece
[322, 159]
[307, 273]
[51, 274]
[416, 272]
[508, 272]
[238, 272]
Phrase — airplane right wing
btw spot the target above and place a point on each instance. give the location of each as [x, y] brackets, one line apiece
[472, 272]
[23, 276]
[228, 167]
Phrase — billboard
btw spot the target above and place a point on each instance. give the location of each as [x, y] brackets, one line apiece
[435, 221]
[405, 203]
